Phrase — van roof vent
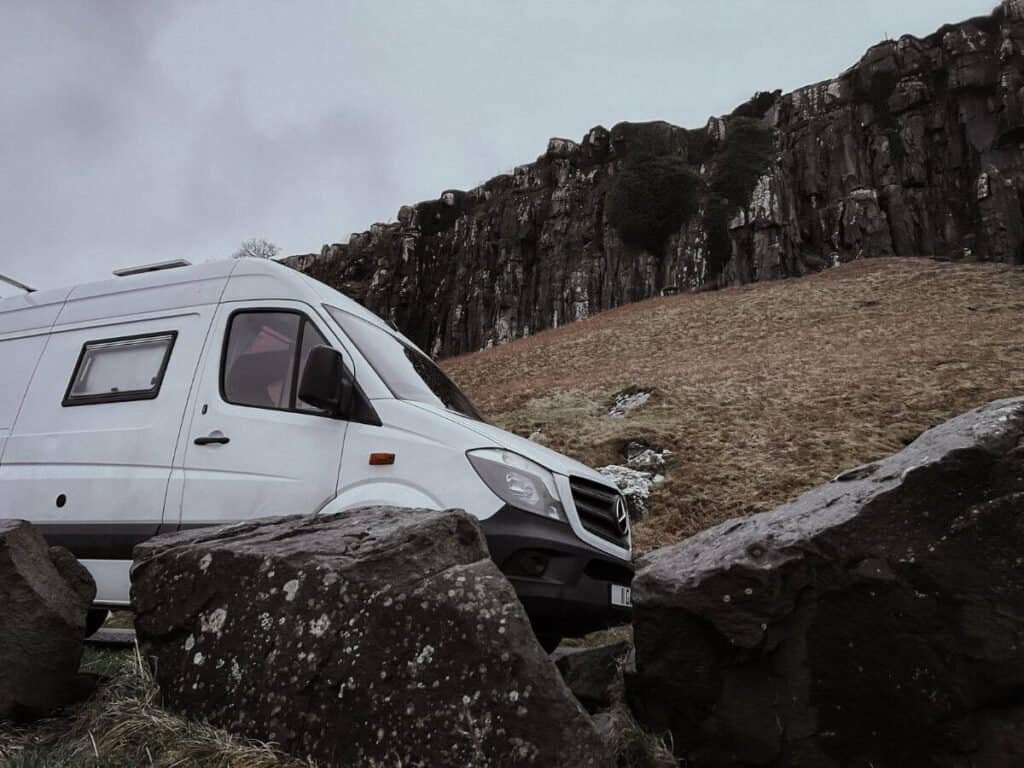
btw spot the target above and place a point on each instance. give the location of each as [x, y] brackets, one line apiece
[160, 265]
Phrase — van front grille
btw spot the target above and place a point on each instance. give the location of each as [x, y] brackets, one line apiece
[596, 505]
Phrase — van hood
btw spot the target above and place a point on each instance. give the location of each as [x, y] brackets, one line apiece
[499, 438]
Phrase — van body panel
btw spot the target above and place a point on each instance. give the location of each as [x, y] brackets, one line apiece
[429, 462]
[275, 462]
[73, 470]
[25, 321]
[495, 437]
[381, 492]
[20, 357]
[31, 312]
[256, 278]
[147, 293]
[113, 581]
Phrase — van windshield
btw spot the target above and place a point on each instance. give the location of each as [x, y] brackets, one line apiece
[407, 372]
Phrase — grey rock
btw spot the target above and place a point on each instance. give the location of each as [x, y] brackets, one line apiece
[627, 401]
[74, 574]
[605, 724]
[113, 637]
[44, 596]
[645, 458]
[591, 673]
[881, 161]
[878, 619]
[383, 636]
[635, 485]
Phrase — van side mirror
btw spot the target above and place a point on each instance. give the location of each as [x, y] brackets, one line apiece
[326, 383]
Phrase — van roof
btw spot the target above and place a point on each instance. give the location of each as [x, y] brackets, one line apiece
[234, 280]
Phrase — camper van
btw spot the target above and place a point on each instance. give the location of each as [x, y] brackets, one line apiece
[175, 396]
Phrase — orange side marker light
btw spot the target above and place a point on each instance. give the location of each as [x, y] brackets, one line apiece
[381, 459]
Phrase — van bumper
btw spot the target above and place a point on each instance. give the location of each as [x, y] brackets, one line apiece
[564, 584]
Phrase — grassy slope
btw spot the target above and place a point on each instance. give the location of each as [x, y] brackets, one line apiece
[764, 391]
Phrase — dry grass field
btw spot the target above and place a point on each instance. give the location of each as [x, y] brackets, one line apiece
[123, 726]
[764, 391]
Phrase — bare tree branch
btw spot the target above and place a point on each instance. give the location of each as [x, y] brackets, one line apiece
[256, 248]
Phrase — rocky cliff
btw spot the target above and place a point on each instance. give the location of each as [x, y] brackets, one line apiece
[916, 150]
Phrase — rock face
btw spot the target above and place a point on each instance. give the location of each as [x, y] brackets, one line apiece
[44, 596]
[877, 620]
[914, 151]
[381, 637]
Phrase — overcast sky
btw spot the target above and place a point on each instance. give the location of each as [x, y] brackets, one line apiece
[133, 132]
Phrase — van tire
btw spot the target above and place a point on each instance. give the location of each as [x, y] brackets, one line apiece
[95, 619]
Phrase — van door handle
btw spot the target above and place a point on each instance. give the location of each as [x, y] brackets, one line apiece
[214, 438]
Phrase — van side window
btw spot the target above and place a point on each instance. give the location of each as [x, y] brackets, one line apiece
[264, 355]
[119, 370]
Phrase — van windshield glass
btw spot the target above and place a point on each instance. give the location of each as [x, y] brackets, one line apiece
[406, 371]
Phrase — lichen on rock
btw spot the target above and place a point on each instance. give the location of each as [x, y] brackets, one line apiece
[382, 636]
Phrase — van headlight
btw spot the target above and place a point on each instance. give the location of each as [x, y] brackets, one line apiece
[519, 482]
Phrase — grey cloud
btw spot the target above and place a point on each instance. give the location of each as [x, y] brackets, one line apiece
[107, 163]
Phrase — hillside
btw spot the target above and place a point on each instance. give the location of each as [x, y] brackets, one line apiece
[915, 150]
[764, 391]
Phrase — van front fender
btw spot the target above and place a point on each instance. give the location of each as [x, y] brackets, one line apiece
[380, 493]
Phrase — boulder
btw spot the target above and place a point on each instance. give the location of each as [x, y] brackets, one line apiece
[380, 637]
[877, 620]
[591, 673]
[44, 597]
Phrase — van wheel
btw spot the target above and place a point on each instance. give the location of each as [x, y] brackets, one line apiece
[94, 620]
[549, 642]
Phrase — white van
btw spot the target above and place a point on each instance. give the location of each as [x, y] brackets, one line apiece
[176, 396]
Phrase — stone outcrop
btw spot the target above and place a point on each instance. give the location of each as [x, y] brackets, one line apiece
[877, 620]
[914, 151]
[381, 637]
[591, 673]
[44, 596]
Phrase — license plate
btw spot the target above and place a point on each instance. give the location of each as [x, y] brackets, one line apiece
[621, 596]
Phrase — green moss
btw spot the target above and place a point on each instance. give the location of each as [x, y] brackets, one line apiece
[747, 154]
[652, 197]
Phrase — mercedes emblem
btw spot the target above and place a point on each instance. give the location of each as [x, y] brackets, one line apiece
[622, 515]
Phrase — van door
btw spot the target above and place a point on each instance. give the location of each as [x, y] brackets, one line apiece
[253, 448]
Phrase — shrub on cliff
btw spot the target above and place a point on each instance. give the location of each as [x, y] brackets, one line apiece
[758, 105]
[652, 139]
[652, 197]
[436, 216]
[747, 154]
